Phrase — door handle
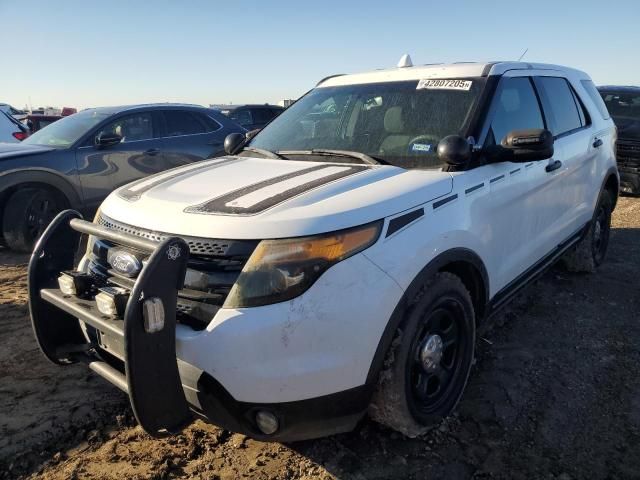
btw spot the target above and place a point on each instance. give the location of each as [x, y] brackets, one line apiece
[597, 143]
[554, 165]
[152, 151]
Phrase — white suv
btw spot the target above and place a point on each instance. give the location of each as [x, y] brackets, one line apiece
[339, 261]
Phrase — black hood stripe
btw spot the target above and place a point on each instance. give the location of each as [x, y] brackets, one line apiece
[220, 205]
[132, 195]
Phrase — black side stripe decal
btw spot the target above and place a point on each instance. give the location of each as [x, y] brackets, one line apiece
[500, 177]
[474, 188]
[513, 172]
[528, 165]
[402, 221]
[221, 204]
[133, 195]
[444, 201]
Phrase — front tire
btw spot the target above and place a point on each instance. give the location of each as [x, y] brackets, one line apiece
[28, 212]
[591, 250]
[428, 364]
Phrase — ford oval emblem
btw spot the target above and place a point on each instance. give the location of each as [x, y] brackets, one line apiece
[124, 262]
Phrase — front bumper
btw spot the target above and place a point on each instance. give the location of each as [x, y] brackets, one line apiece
[306, 361]
[150, 375]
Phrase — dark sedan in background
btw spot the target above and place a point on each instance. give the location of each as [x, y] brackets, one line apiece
[251, 117]
[623, 104]
[78, 160]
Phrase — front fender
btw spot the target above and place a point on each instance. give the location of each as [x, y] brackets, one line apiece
[55, 179]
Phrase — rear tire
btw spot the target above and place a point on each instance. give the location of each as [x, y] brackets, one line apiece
[590, 252]
[428, 364]
[26, 215]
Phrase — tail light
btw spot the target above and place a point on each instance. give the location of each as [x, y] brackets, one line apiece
[20, 135]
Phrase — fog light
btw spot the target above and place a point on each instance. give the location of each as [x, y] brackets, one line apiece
[75, 283]
[153, 313]
[267, 422]
[112, 300]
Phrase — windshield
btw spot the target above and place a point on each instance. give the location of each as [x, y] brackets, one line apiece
[68, 130]
[623, 105]
[399, 123]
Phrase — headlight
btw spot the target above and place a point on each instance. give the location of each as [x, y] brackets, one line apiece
[279, 270]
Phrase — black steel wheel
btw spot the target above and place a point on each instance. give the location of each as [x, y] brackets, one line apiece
[601, 229]
[27, 214]
[591, 250]
[429, 362]
[438, 359]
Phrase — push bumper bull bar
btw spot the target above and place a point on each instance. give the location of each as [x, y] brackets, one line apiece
[151, 377]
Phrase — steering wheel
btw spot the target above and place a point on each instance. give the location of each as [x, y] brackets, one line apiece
[429, 139]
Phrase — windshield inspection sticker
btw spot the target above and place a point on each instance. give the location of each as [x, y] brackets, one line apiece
[421, 147]
[442, 84]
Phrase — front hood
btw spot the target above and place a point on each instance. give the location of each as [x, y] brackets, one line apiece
[13, 150]
[251, 198]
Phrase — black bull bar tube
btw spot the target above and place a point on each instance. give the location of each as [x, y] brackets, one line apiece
[151, 377]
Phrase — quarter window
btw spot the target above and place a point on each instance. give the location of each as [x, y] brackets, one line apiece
[592, 91]
[559, 105]
[179, 122]
[517, 108]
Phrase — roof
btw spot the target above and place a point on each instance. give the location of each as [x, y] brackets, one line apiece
[619, 88]
[243, 105]
[146, 106]
[441, 70]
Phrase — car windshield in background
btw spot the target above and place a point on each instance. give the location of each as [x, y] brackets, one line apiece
[399, 123]
[66, 131]
[623, 105]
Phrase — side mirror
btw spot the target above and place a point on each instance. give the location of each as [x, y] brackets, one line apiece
[105, 139]
[234, 142]
[454, 150]
[523, 146]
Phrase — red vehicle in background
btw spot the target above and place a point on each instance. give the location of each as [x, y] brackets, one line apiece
[37, 121]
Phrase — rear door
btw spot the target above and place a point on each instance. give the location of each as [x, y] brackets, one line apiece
[573, 134]
[138, 154]
[190, 136]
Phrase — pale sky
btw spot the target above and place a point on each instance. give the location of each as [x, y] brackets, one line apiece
[82, 53]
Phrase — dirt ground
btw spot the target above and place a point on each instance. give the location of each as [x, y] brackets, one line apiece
[554, 394]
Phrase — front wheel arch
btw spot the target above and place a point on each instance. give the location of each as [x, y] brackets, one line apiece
[462, 262]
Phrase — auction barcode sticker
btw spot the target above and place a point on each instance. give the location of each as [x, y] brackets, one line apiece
[442, 84]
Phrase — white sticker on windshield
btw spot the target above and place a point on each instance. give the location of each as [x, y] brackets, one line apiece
[442, 84]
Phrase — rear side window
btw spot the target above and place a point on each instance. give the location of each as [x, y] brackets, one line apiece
[559, 105]
[593, 93]
[517, 108]
[179, 122]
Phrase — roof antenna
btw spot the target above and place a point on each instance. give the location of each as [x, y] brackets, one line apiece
[405, 61]
[523, 54]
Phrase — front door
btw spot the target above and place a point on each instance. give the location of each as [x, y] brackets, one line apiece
[519, 200]
[139, 154]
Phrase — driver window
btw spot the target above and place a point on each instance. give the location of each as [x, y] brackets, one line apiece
[132, 127]
[517, 108]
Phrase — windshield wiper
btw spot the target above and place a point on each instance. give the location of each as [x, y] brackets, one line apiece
[264, 152]
[363, 157]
